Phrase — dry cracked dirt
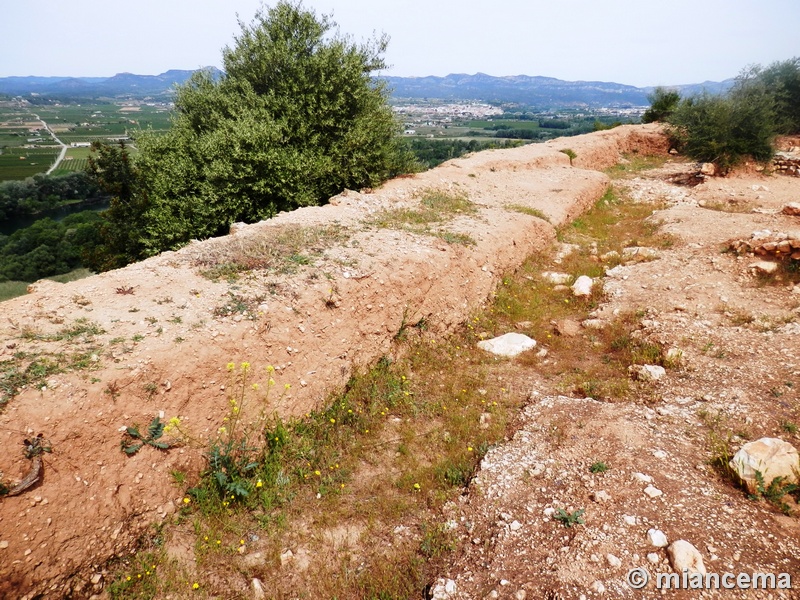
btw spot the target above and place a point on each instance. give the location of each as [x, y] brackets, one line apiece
[154, 338]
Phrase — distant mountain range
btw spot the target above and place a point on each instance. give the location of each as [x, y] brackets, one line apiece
[523, 89]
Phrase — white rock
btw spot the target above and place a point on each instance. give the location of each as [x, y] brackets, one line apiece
[601, 496]
[613, 561]
[595, 323]
[629, 519]
[652, 492]
[764, 267]
[641, 477]
[660, 454]
[557, 278]
[653, 558]
[683, 555]
[286, 557]
[515, 526]
[258, 589]
[509, 344]
[582, 286]
[657, 538]
[647, 372]
[444, 589]
[598, 587]
[772, 457]
[549, 511]
[639, 252]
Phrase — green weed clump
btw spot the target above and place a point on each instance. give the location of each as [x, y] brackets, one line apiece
[436, 207]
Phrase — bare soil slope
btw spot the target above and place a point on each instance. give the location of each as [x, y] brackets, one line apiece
[83, 360]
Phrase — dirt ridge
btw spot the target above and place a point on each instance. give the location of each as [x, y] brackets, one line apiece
[166, 338]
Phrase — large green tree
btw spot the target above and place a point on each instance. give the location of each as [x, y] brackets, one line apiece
[295, 118]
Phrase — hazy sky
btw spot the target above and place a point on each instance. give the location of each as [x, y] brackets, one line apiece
[637, 42]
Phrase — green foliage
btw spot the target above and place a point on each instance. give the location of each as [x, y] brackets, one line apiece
[430, 153]
[44, 192]
[569, 519]
[570, 153]
[663, 103]
[775, 491]
[120, 235]
[725, 130]
[47, 247]
[133, 439]
[598, 467]
[295, 119]
[782, 80]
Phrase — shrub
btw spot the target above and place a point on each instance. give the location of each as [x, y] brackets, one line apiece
[295, 118]
[662, 104]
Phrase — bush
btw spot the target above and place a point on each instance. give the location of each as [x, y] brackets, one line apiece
[782, 79]
[725, 130]
[295, 119]
[662, 104]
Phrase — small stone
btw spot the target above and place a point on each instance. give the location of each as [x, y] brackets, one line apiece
[653, 558]
[557, 278]
[647, 372]
[613, 561]
[641, 477]
[549, 511]
[286, 557]
[521, 595]
[652, 492]
[683, 555]
[96, 578]
[601, 496]
[443, 589]
[657, 538]
[567, 327]
[629, 519]
[582, 286]
[708, 169]
[791, 209]
[660, 454]
[595, 324]
[3, 544]
[258, 589]
[598, 587]
[515, 526]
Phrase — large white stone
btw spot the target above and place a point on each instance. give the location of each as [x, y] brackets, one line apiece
[772, 457]
[657, 538]
[582, 286]
[509, 344]
[683, 555]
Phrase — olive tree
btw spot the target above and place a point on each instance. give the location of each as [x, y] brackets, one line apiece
[295, 118]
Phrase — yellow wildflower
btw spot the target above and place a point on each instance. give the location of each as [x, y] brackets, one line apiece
[186, 500]
[231, 367]
[195, 586]
[245, 366]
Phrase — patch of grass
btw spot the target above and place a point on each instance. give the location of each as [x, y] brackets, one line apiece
[238, 304]
[789, 427]
[279, 250]
[633, 164]
[436, 207]
[570, 153]
[527, 210]
[80, 328]
[598, 467]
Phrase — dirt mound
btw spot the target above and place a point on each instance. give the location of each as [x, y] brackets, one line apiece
[86, 359]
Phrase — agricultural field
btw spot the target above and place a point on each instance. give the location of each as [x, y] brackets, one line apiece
[19, 163]
[22, 131]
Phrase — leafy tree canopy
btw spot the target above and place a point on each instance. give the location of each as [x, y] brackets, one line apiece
[295, 119]
[662, 104]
